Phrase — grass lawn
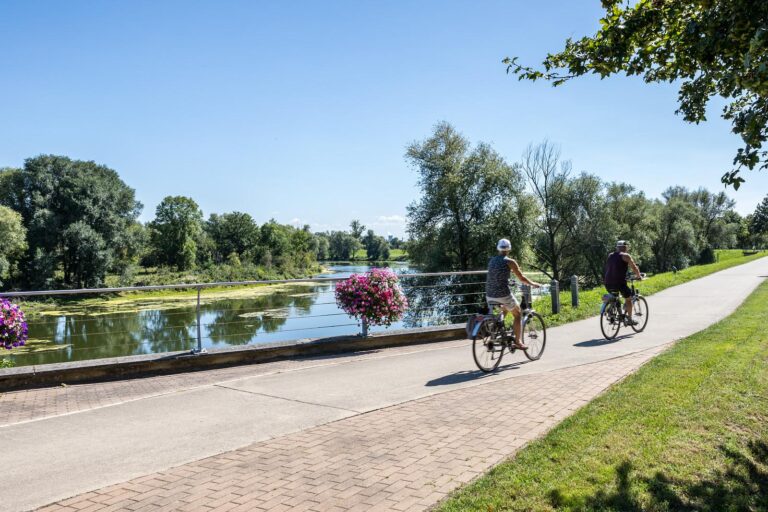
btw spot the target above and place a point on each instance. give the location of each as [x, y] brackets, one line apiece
[590, 300]
[688, 431]
[394, 254]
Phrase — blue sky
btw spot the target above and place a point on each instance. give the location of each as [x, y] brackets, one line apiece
[301, 111]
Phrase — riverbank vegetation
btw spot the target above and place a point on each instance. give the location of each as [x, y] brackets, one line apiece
[686, 432]
[74, 224]
[560, 222]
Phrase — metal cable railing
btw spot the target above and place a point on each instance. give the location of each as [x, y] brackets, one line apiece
[436, 298]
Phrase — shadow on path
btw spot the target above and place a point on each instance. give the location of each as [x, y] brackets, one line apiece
[466, 376]
[599, 342]
[741, 485]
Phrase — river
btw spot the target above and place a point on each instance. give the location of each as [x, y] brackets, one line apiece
[245, 316]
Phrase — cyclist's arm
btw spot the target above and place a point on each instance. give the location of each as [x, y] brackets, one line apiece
[632, 265]
[515, 268]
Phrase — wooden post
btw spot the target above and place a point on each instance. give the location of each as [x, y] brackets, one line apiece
[554, 292]
[574, 291]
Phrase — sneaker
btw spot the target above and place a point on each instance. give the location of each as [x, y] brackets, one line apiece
[629, 322]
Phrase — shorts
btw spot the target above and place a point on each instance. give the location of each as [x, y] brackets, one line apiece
[623, 289]
[510, 301]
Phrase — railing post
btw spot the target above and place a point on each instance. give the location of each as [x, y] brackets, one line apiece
[199, 349]
[364, 334]
[574, 291]
[554, 292]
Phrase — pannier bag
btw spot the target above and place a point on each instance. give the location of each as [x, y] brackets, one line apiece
[473, 324]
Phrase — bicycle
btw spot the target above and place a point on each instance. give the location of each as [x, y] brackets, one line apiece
[490, 338]
[613, 315]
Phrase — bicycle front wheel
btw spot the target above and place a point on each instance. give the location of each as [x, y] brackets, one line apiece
[488, 346]
[640, 314]
[534, 336]
[610, 321]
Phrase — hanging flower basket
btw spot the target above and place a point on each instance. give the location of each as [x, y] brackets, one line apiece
[13, 325]
[375, 297]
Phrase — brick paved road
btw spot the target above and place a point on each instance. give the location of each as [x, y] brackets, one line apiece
[404, 457]
[394, 429]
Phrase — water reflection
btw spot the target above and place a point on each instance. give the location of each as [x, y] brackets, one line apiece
[287, 313]
[443, 300]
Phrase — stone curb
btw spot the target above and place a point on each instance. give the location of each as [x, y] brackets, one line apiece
[117, 368]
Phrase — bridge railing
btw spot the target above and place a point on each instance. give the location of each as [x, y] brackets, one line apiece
[195, 322]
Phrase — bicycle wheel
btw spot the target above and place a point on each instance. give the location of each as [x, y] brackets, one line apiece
[610, 320]
[488, 346]
[640, 314]
[534, 336]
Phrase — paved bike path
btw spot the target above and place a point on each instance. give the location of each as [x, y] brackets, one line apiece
[63, 456]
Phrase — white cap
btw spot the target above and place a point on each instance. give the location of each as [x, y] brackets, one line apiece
[504, 245]
[622, 243]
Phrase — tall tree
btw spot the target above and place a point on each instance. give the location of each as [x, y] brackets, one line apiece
[759, 221]
[711, 47]
[356, 227]
[13, 242]
[54, 192]
[234, 232]
[676, 242]
[470, 197]
[342, 246]
[86, 256]
[555, 237]
[175, 229]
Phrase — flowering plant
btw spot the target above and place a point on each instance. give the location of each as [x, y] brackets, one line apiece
[375, 297]
[13, 325]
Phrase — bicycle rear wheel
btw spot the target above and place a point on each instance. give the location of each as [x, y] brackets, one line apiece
[610, 320]
[640, 314]
[534, 336]
[488, 346]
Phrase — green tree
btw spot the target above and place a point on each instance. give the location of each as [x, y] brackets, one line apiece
[555, 237]
[322, 247]
[234, 232]
[376, 247]
[174, 231]
[342, 246]
[759, 221]
[710, 47]
[470, 197]
[712, 225]
[54, 192]
[86, 257]
[636, 220]
[13, 241]
[356, 227]
[676, 242]
[132, 247]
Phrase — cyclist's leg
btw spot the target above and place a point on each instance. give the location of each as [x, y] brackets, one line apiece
[627, 294]
[518, 327]
[517, 323]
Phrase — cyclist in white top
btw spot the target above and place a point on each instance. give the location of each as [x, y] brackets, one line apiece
[497, 286]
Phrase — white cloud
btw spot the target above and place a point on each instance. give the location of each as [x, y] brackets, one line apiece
[389, 220]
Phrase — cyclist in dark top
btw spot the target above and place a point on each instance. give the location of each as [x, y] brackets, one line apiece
[497, 290]
[616, 275]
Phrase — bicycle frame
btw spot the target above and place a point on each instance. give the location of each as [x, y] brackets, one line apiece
[618, 298]
[525, 313]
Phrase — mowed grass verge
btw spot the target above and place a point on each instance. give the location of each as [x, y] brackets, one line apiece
[590, 300]
[688, 431]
